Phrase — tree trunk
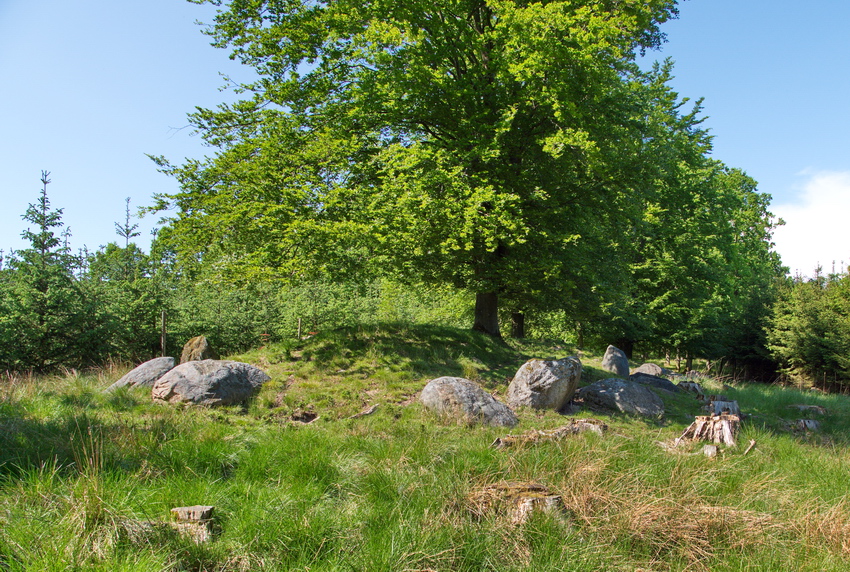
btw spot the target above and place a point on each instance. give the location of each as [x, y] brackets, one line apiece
[487, 314]
[517, 325]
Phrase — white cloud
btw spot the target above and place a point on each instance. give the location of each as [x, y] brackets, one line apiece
[817, 226]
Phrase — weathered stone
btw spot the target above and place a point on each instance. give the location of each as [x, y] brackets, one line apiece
[616, 362]
[544, 384]
[624, 396]
[652, 369]
[197, 349]
[146, 374]
[656, 382]
[210, 382]
[464, 401]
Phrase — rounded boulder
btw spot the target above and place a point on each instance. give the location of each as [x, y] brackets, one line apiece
[624, 396]
[464, 401]
[210, 382]
[545, 384]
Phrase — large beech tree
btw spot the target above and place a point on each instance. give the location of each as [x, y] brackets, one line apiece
[494, 145]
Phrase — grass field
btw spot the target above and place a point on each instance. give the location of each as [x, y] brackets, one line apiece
[86, 476]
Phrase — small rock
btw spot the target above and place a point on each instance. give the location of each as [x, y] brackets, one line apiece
[710, 451]
[808, 425]
[651, 369]
[656, 382]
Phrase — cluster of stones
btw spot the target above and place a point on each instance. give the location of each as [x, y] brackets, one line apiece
[199, 379]
[540, 384]
[551, 384]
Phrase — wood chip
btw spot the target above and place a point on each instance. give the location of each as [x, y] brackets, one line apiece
[365, 412]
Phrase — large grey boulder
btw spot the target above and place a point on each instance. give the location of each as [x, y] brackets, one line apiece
[210, 382]
[464, 401]
[146, 374]
[616, 362]
[652, 369]
[656, 382]
[197, 349]
[624, 396]
[544, 384]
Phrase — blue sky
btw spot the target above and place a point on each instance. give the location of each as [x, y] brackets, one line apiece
[90, 87]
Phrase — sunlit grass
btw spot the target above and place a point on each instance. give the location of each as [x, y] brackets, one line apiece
[87, 478]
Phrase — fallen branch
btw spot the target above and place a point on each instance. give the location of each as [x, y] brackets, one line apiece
[576, 426]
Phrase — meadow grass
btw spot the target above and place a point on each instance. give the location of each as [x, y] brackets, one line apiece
[88, 478]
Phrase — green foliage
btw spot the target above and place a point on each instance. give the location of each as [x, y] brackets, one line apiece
[495, 147]
[47, 321]
[809, 329]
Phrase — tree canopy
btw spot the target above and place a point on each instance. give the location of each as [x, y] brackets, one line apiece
[504, 147]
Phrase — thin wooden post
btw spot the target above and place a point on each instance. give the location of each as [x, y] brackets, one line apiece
[162, 334]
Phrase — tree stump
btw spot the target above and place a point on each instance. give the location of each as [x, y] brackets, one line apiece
[694, 388]
[720, 429]
[721, 406]
[194, 521]
[807, 425]
[515, 500]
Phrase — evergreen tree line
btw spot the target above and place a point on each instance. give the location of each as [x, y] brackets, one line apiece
[809, 329]
[64, 309]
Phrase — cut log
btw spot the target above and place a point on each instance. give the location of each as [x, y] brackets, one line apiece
[720, 429]
[365, 412]
[809, 408]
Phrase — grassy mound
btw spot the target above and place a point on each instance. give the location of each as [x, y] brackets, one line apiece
[85, 477]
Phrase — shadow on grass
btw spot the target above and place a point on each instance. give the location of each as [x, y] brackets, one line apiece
[428, 350]
[78, 442]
